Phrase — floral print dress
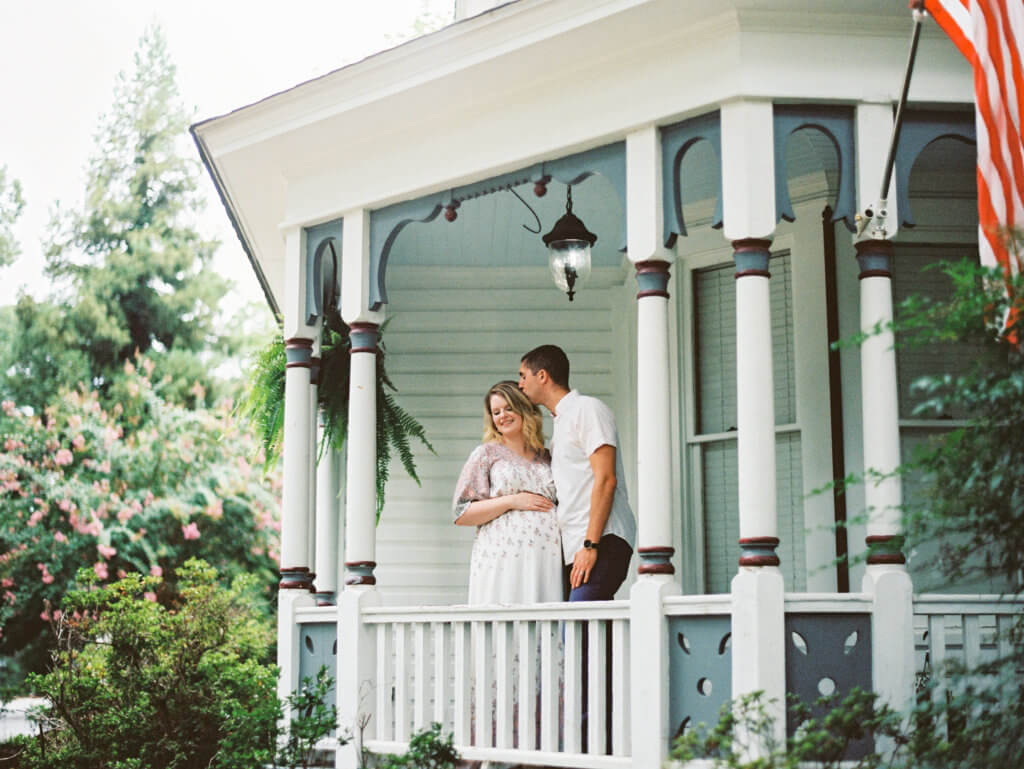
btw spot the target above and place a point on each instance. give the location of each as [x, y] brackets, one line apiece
[517, 557]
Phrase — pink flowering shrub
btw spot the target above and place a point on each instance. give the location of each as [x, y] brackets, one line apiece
[141, 485]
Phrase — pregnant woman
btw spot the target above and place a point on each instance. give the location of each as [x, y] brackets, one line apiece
[507, 492]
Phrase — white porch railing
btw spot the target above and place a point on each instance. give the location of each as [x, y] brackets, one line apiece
[550, 685]
[542, 685]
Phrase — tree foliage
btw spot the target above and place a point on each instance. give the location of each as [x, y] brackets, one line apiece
[138, 487]
[12, 204]
[139, 685]
[131, 270]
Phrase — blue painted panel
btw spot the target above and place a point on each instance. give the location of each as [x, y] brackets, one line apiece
[700, 670]
[837, 124]
[921, 128]
[828, 654]
[318, 646]
[676, 139]
[323, 265]
[386, 223]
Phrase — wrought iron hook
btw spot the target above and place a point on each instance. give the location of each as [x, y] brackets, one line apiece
[526, 226]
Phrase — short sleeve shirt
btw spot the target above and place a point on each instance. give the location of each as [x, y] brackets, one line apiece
[582, 425]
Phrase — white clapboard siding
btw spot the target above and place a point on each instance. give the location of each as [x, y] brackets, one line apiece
[451, 334]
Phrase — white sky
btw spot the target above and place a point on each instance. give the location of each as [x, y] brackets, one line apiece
[59, 60]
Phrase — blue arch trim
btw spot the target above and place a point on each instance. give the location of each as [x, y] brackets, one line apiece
[323, 266]
[921, 128]
[837, 124]
[386, 223]
[676, 140]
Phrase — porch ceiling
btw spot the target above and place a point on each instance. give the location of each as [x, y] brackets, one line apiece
[537, 79]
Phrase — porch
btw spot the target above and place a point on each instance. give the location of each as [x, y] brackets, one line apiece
[430, 664]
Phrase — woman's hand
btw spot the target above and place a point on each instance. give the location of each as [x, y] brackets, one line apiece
[526, 500]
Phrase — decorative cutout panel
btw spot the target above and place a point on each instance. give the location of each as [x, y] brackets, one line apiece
[827, 655]
[676, 141]
[921, 128]
[318, 646]
[700, 670]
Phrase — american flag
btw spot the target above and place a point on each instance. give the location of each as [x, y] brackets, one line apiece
[990, 34]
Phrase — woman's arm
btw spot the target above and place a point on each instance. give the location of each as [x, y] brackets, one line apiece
[484, 510]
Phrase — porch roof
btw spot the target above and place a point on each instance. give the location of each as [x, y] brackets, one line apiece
[534, 80]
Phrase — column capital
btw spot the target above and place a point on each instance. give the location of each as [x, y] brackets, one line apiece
[364, 337]
[875, 258]
[294, 578]
[655, 560]
[298, 352]
[652, 278]
[885, 549]
[360, 572]
[759, 551]
[751, 256]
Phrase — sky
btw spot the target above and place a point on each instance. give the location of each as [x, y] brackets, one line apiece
[59, 60]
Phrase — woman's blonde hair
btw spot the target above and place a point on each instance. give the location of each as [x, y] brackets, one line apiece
[533, 422]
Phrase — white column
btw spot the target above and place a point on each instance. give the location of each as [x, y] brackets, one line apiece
[748, 202]
[652, 260]
[314, 419]
[651, 732]
[298, 404]
[328, 487]
[361, 475]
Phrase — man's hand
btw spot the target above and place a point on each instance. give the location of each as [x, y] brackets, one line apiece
[582, 564]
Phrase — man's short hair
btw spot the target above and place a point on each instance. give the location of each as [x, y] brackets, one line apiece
[550, 358]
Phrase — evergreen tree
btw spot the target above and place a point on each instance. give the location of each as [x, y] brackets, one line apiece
[131, 271]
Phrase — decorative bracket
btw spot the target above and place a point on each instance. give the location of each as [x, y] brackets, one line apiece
[837, 124]
[921, 128]
[676, 140]
[323, 269]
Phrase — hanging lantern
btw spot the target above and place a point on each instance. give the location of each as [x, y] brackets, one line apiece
[569, 245]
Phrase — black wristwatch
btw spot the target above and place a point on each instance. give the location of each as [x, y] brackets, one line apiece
[589, 545]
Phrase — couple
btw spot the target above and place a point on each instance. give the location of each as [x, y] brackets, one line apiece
[509, 487]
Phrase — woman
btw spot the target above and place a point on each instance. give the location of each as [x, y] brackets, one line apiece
[507, 492]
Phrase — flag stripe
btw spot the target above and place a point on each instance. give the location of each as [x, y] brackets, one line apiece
[989, 33]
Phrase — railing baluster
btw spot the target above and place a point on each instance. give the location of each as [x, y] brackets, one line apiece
[595, 662]
[620, 688]
[463, 684]
[420, 683]
[937, 650]
[549, 685]
[573, 688]
[482, 696]
[505, 677]
[401, 683]
[527, 645]
[382, 715]
[442, 673]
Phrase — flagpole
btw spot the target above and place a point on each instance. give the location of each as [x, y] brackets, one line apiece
[879, 212]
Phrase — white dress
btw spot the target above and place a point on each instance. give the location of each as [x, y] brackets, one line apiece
[517, 557]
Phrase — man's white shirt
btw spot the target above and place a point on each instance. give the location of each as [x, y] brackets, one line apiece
[582, 425]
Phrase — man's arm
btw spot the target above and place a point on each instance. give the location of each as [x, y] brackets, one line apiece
[602, 464]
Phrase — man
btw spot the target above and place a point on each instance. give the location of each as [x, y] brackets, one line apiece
[596, 522]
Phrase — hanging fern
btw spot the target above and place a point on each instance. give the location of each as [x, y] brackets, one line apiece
[263, 405]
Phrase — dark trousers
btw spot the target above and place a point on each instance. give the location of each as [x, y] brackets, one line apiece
[605, 578]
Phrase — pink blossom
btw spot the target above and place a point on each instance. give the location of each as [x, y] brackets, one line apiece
[63, 457]
[64, 504]
[6, 582]
[215, 509]
[191, 531]
[36, 517]
[59, 537]
[101, 569]
[104, 466]
[47, 579]
[8, 407]
[57, 614]
[156, 571]
[44, 616]
[106, 551]
[78, 441]
[124, 514]
[149, 596]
